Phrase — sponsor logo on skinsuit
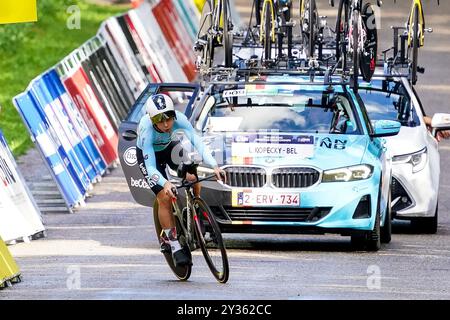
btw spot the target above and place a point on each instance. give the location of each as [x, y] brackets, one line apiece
[129, 156]
[139, 183]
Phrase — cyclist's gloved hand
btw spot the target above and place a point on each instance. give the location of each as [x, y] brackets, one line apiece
[191, 177]
[169, 190]
[220, 174]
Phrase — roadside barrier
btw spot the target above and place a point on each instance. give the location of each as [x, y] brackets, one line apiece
[20, 218]
[74, 109]
[111, 32]
[9, 271]
[45, 138]
[146, 25]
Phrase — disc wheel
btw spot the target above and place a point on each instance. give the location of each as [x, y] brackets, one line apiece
[368, 56]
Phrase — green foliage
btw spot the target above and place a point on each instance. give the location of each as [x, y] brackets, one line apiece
[28, 49]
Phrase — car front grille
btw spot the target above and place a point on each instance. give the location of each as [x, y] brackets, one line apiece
[246, 177]
[294, 177]
[271, 214]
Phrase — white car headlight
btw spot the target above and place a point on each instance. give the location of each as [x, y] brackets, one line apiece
[354, 173]
[417, 160]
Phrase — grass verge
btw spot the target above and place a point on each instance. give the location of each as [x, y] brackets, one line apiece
[27, 50]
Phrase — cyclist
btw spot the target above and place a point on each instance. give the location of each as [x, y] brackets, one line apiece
[154, 150]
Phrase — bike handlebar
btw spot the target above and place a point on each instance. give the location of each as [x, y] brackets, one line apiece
[185, 184]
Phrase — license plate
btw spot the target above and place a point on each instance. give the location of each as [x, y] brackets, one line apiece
[265, 199]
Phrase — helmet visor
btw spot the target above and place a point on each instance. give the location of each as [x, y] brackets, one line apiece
[163, 117]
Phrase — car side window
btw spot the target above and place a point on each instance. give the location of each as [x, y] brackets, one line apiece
[180, 98]
[393, 105]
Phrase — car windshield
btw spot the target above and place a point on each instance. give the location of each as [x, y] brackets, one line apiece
[293, 111]
[390, 103]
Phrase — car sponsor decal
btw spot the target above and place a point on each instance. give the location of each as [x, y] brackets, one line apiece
[234, 93]
[249, 146]
[336, 144]
[129, 156]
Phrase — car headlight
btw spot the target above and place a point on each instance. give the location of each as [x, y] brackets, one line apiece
[354, 173]
[417, 159]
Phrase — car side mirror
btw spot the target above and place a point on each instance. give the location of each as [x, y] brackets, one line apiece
[385, 128]
[440, 122]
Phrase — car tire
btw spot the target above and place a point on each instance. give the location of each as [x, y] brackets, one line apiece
[386, 229]
[426, 225]
[373, 240]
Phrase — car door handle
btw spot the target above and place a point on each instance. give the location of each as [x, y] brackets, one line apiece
[129, 135]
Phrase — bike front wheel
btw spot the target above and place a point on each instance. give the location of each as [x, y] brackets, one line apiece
[182, 272]
[209, 239]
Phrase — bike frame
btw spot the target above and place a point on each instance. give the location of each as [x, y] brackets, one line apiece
[188, 228]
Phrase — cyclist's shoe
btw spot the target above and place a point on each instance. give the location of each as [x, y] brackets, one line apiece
[181, 258]
[165, 248]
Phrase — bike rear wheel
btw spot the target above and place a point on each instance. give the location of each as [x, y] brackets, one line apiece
[227, 37]
[369, 55]
[183, 272]
[356, 53]
[266, 25]
[210, 240]
[341, 32]
[309, 31]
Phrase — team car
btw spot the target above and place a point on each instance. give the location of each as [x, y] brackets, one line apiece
[416, 165]
[300, 157]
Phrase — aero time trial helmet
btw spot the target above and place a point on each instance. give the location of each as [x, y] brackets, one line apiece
[160, 107]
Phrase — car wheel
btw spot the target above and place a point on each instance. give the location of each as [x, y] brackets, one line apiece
[373, 240]
[426, 225]
[386, 229]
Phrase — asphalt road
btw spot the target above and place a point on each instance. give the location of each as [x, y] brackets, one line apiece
[108, 250]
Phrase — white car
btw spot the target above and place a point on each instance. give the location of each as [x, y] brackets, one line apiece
[416, 164]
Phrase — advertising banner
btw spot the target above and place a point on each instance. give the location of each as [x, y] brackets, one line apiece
[8, 267]
[15, 185]
[77, 84]
[12, 11]
[176, 35]
[189, 15]
[156, 44]
[100, 91]
[112, 33]
[107, 79]
[77, 121]
[65, 136]
[137, 45]
[49, 145]
[118, 79]
[57, 105]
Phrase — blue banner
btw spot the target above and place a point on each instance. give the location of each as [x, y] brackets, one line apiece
[40, 92]
[50, 147]
[77, 121]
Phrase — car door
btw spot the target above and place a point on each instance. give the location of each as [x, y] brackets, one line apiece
[184, 95]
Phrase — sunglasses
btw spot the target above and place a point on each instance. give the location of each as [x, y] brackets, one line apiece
[163, 117]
